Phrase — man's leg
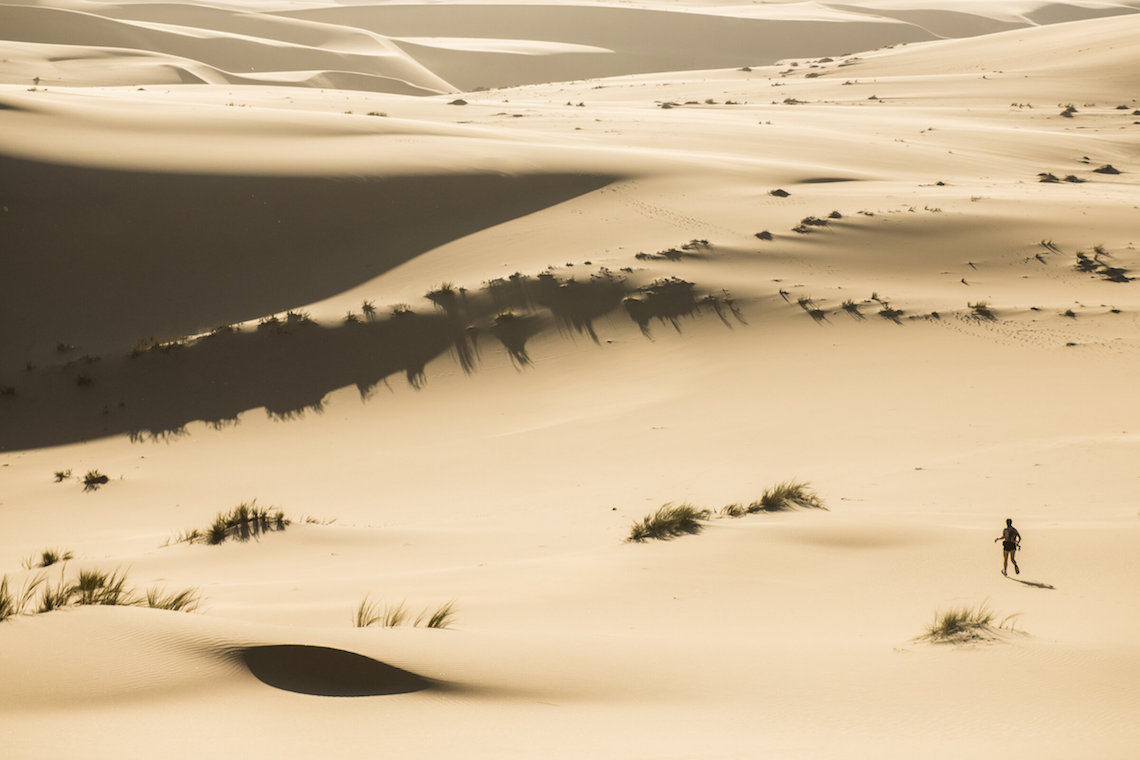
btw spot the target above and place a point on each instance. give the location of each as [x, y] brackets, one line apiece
[1013, 556]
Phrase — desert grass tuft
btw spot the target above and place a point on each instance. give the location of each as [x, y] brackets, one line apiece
[14, 603]
[964, 624]
[186, 600]
[93, 587]
[733, 510]
[668, 522]
[243, 522]
[367, 614]
[393, 615]
[441, 618]
[47, 558]
[787, 496]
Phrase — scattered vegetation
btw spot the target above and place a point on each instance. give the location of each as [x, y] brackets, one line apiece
[62, 475]
[369, 613]
[669, 522]
[89, 587]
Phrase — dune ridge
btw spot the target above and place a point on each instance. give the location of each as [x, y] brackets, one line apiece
[884, 249]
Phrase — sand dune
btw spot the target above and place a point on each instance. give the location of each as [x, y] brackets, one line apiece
[468, 339]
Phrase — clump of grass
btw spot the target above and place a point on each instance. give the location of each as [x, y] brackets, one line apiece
[367, 614]
[186, 600]
[440, 618]
[786, 496]
[961, 625]
[733, 510]
[47, 558]
[890, 314]
[55, 597]
[982, 310]
[62, 475]
[393, 615]
[668, 522]
[100, 587]
[243, 522]
[370, 613]
[93, 479]
[14, 603]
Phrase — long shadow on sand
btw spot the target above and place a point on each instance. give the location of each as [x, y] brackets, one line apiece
[1034, 584]
[92, 254]
[327, 672]
[288, 366]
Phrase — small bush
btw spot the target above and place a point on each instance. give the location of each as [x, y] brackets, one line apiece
[243, 522]
[99, 587]
[786, 496]
[393, 615]
[982, 310]
[93, 479]
[62, 475]
[14, 603]
[668, 522]
[47, 558]
[55, 597]
[964, 624]
[186, 600]
[369, 613]
[441, 618]
[733, 510]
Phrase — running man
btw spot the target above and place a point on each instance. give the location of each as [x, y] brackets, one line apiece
[1010, 543]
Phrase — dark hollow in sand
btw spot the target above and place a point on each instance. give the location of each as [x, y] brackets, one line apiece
[327, 672]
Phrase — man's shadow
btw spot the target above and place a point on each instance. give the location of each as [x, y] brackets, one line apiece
[1034, 584]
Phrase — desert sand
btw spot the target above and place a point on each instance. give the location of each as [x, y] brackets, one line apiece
[466, 290]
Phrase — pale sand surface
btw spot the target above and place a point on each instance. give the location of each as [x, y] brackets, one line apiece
[178, 167]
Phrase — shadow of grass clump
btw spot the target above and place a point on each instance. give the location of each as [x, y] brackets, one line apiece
[669, 522]
[288, 364]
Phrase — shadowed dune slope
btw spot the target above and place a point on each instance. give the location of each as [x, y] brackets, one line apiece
[327, 672]
[99, 258]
